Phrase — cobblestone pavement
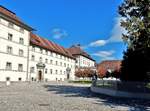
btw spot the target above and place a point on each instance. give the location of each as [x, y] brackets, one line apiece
[54, 96]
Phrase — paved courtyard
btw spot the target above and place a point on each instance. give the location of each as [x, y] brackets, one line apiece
[53, 96]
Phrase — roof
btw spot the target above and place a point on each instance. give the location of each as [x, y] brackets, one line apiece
[76, 50]
[113, 65]
[49, 45]
[11, 16]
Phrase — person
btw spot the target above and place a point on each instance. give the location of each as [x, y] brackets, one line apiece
[94, 79]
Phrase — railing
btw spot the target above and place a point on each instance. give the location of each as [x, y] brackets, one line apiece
[134, 87]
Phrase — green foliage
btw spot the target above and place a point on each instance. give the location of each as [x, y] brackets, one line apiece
[82, 81]
[136, 60]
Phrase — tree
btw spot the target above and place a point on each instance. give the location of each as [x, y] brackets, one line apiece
[136, 60]
[87, 72]
[79, 73]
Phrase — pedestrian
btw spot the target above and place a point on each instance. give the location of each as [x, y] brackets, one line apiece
[94, 79]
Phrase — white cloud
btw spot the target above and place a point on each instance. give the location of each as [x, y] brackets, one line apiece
[105, 55]
[116, 35]
[98, 43]
[58, 33]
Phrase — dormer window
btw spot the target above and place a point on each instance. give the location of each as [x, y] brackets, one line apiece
[10, 25]
[21, 30]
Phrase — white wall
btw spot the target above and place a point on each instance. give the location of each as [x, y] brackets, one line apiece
[51, 77]
[14, 58]
[84, 62]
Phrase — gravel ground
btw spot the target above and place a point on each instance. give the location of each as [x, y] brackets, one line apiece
[53, 96]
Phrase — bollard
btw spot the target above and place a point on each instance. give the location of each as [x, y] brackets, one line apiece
[7, 83]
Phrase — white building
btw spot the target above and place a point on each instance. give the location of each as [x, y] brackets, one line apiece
[14, 42]
[57, 61]
[25, 56]
[83, 59]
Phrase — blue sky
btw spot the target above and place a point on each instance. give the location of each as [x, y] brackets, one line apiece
[92, 23]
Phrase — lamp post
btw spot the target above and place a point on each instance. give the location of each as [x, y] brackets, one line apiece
[68, 70]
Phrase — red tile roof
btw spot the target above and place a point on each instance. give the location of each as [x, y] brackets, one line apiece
[4, 11]
[113, 65]
[76, 50]
[49, 45]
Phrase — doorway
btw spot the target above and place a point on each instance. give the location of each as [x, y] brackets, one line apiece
[40, 75]
[68, 76]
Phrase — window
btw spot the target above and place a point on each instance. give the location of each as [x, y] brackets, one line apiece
[8, 66]
[33, 48]
[20, 67]
[20, 52]
[10, 25]
[40, 59]
[45, 71]
[64, 64]
[60, 63]
[76, 61]
[56, 71]
[46, 52]
[64, 72]
[21, 30]
[21, 40]
[51, 71]
[10, 36]
[9, 50]
[32, 57]
[60, 56]
[7, 78]
[60, 71]
[56, 63]
[51, 61]
[32, 69]
[46, 60]
[41, 51]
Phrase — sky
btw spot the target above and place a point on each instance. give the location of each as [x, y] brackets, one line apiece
[94, 24]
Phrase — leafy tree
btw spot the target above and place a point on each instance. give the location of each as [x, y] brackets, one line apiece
[87, 72]
[136, 21]
[79, 74]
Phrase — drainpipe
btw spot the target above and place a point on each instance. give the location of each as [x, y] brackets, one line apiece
[27, 79]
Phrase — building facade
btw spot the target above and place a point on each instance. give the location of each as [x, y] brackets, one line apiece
[25, 56]
[83, 60]
[14, 43]
[57, 63]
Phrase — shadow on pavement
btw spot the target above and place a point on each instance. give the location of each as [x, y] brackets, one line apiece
[81, 91]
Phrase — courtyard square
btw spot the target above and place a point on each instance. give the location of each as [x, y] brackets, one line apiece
[61, 96]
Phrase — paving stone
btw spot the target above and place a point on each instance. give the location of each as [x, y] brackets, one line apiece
[55, 96]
